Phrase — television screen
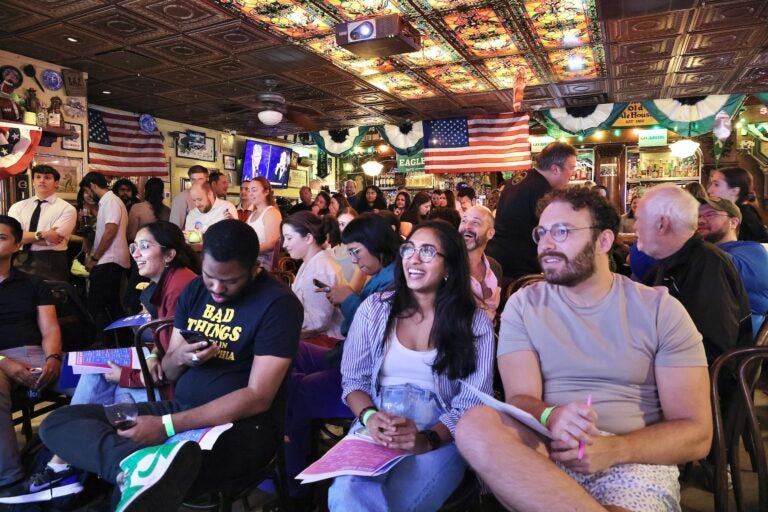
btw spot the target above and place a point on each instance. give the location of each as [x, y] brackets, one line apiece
[271, 162]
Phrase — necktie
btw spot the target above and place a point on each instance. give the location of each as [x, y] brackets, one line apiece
[34, 220]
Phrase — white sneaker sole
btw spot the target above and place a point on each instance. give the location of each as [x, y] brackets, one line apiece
[45, 495]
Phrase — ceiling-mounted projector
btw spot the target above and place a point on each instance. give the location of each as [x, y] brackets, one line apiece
[378, 37]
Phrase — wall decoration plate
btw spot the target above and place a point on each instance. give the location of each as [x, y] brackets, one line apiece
[11, 76]
[147, 123]
[52, 80]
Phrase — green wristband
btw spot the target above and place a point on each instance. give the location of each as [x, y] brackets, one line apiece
[2, 357]
[545, 414]
[168, 424]
[151, 356]
[368, 414]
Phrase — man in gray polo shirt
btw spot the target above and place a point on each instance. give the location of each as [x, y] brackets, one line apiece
[614, 369]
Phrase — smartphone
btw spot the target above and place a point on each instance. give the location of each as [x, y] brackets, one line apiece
[195, 337]
[320, 284]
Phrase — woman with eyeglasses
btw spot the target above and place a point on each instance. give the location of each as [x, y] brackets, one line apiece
[265, 219]
[315, 385]
[163, 257]
[404, 357]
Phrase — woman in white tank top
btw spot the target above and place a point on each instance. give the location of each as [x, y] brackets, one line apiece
[265, 219]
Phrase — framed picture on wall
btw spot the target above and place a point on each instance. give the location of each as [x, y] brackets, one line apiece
[187, 147]
[70, 169]
[294, 160]
[74, 141]
[230, 162]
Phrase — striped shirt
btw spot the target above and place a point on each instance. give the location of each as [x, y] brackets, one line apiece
[364, 353]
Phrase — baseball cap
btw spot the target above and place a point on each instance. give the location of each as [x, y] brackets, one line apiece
[723, 205]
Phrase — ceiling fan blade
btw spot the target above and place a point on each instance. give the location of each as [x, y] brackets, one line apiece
[302, 120]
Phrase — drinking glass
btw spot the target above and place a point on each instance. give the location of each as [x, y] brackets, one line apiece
[395, 400]
[122, 413]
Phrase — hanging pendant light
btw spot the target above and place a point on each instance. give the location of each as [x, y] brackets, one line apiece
[684, 148]
[372, 168]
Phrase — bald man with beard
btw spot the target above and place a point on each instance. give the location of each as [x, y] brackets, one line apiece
[208, 210]
[476, 228]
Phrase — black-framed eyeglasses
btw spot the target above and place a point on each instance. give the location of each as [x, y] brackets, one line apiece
[559, 232]
[143, 246]
[427, 252]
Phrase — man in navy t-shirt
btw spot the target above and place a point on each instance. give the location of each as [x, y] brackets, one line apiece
[236, 333]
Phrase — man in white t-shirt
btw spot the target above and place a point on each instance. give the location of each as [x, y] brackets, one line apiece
[109, 259]
[208, 210]
[614, 369]
[48, 221]
[182, 203]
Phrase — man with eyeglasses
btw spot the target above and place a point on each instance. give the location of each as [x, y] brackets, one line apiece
[719, 222]
[615, 370]
[516, 209]
[231, 368]
[476, 228]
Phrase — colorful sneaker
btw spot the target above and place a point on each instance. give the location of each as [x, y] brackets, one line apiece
[158, 477]
[44, 486]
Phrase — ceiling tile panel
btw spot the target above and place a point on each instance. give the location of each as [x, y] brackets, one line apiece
[690, 90]
[95, 69]
[458, 78]
[17, 19]
[648, 67]
[319, 75]
[58, 8]
[702, 78]
[640, 82]
[710, 61]
[667, 24]
[235, 37]
[180, 49]
[185, 77]
[178, 14]
[70, 38]
[130, 61]
[741, 39]
[121, 26]
[713, 17]
[640, 51]
[482, 33]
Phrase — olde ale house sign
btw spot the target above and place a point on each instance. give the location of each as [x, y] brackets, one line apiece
[634, 115]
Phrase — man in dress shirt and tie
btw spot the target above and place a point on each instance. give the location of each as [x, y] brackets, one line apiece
[48, 221]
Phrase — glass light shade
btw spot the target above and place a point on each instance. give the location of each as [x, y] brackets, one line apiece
[270, 117]
[372, 168]
[684, 148]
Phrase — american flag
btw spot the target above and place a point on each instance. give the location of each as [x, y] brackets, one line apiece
[118, 147]
[477, 143]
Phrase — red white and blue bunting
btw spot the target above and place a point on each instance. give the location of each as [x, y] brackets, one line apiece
[18, 143]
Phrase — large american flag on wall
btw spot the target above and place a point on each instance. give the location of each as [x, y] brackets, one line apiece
[118, 147]
[477, 144]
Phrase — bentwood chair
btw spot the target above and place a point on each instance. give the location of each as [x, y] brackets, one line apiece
[729, 425]
[156, 327]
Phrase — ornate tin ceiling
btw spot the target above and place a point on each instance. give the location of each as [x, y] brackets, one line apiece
[205, 61]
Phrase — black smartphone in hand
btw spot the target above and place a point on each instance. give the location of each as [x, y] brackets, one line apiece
[195, 337]
[320, 284]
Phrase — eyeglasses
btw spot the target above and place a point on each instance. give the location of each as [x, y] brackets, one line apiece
[427, 252]
[559, 232]
[354, 252]
[142, 245]
[712, 215]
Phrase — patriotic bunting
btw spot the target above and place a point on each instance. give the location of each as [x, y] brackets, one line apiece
[18, 143]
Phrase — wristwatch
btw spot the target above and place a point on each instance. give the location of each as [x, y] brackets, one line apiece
[433, 438]
[39, 236]
[54, 356]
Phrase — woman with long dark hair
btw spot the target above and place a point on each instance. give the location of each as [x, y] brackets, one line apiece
[321, 203]
[404, 358]
[150, 210]
[401, 204]
[416, 212]
[371, 200]
[735, 184]
[338, 204]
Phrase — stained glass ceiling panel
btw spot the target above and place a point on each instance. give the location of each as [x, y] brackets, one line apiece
[574, 64]
[298, 20]
[458, 78]
[403, 84]
[327, 47]
[503, 70]
[482, 32]
[354, 9]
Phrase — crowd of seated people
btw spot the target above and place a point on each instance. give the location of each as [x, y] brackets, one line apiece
[389, 313]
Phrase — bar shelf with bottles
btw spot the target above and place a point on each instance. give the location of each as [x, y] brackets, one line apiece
[647, 167]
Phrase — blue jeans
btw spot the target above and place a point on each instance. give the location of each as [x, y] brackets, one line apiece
[417, 483]
[93, 388]
[421, 483]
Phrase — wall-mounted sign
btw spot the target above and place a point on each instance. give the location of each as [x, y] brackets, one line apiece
[297, 178]
[74, 83]
[634, 115]
[652, 138]
[538, 142]
[413, 163]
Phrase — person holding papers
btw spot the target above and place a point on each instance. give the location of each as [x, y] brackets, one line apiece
[164, 258]
[404, 357]
[614, 369]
